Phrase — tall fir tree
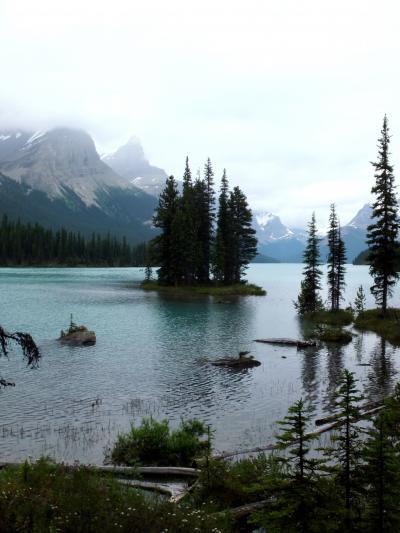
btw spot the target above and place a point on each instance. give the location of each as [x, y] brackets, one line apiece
[189, 227]
[243, 243]
[382, 233]
[223, 236]
[346, 451]
[309, 300]
[336, 261]
[207, 221]
[296, 498]
[164, 244]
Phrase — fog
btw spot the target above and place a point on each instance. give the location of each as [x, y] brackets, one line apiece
[289, 96]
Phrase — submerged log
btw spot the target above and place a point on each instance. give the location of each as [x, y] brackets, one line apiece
[288, 342]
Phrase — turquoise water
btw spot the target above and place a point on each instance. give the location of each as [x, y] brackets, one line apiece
[150, 359]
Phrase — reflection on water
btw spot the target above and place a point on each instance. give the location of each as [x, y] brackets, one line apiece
[151, 359]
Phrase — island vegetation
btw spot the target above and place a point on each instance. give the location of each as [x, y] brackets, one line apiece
[200, 249]
[382, 256]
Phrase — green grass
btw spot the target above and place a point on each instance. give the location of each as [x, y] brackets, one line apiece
[341, 317]
[388, 327]
[238, 289]
[45, 497]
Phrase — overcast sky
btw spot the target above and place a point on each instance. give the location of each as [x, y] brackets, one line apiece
[288, 95]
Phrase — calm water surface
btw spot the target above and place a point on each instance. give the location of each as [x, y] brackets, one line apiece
[150, 359]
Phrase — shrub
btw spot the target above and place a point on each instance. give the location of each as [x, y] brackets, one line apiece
[153, 443]
[45, 497]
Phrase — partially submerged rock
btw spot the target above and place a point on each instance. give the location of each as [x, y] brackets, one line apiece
[77, 335]
[243, 361]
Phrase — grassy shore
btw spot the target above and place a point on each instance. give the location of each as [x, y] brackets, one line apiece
[388, 327]
[238, 289]
[341, 317]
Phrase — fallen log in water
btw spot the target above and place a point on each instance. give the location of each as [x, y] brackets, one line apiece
[324, 429]
[288, 342]
[178, 471]
[365, 408]
[244, 510]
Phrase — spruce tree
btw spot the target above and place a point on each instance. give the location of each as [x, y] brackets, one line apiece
[223, 236]
[346, 451]
[383, 231]
[336, 261]
[207, 221]
[381, 476]
[309, 300]
[243, 243]
[360, 300]
[190, 229]
[296, 499]
[164, 244]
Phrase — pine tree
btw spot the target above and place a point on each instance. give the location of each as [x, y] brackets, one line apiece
[360, 300]
[164, 244]
[223, 236]
[381, 475]
[243, 243]
[336, 261]
[347, 445]
[189, 228]
[208, 220]
[382, 233]
[296, 498]
[309, 300]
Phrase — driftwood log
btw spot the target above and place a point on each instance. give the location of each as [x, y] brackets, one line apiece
[288, 342]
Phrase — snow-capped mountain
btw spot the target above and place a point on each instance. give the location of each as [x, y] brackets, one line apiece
[130, 162]
[57, 178]
[277, 240]
[362, 219]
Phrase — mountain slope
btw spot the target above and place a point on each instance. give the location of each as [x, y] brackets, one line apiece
[57, 178]
[129, 161]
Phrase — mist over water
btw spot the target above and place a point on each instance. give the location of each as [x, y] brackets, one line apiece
[150, 359]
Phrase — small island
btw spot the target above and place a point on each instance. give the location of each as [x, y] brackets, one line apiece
[77, 335]
[242, 361]
[236, 289]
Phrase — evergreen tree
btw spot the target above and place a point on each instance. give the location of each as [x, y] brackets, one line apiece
[189, 227]
[207, 221]
[383, 231]
[336, 261]
[296, 499]
[360, 300]
[165, 243]
[243, 243]
[309, 300]
[347, 445]
[223, 234]
[381, 475]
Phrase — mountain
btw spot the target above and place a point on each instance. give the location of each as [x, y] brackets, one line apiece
[277, 240]
[57, 178]
[287, 244]
[129, 161]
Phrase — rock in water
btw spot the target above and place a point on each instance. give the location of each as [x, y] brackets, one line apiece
[79, 338]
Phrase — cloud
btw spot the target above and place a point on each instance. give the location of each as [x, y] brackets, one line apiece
[288, 96]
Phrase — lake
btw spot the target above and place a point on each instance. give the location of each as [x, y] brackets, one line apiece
[151, 359]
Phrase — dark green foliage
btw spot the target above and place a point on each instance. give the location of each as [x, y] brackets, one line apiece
[242, 243]
[341, 317]
[190, 245]
[332, 334]
[360, 300]
[309, 300]
[382, 233]
[336, 261]
[381, 475]
[346, 447]
[45, 497]
[27, 245]
[363, 258]
[295, 497]
[153, 443]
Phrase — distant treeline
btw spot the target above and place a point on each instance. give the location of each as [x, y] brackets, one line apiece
[33, 245]
[363, 259]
